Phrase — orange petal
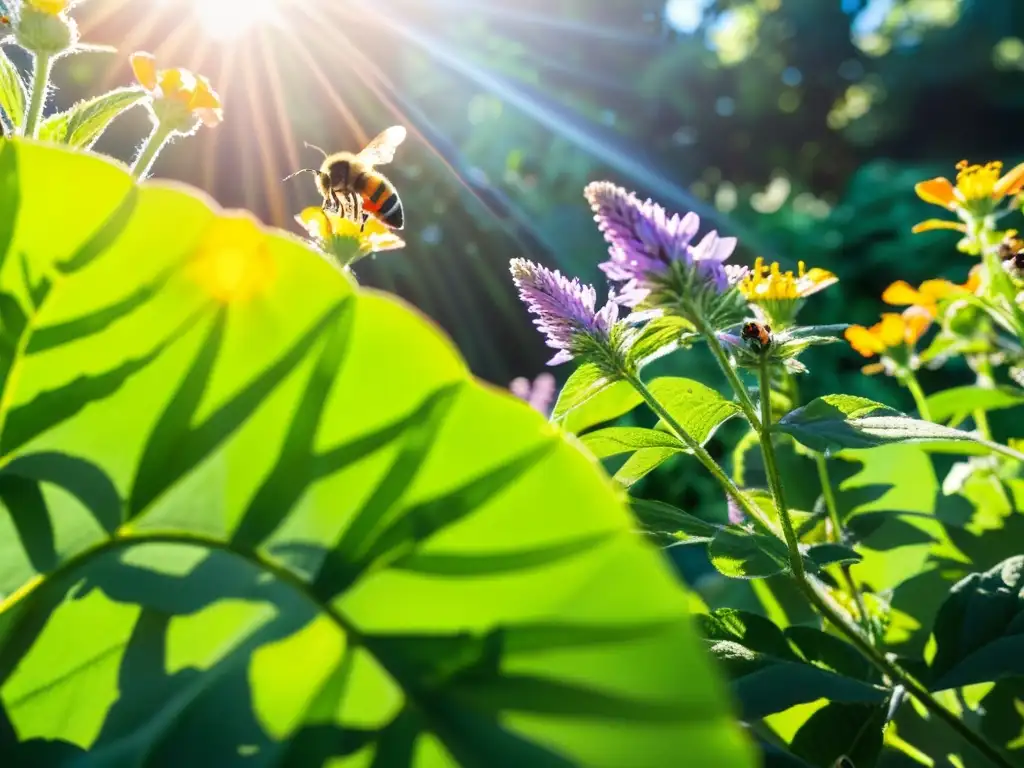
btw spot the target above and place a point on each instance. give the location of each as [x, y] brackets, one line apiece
[937, 192]
[1010, 184]
[916, 321]
[144, 67]
[863, 340]
[872, 368]
[974, 278]
[900, 293]
[932, 224]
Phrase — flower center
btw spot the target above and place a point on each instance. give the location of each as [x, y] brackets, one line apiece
[771, 283]
[977, 182]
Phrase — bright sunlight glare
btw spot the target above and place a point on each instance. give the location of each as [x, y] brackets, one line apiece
[226, 19]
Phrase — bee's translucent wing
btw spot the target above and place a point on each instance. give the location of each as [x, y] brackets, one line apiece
[381, 150]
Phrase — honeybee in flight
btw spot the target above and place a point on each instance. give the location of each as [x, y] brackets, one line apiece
[351, 184]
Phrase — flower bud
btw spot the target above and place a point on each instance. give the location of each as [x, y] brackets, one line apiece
[44, 32]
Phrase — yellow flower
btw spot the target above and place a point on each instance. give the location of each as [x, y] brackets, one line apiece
[978, 189]
[51, 7]
[893, 337]
[343, 238]
[780, 294]
[928, 295]
[179, 87]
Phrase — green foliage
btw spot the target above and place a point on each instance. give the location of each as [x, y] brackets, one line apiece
[979, 630]
[81, 125]
[13, 96]
[836, 422]
[256, 516]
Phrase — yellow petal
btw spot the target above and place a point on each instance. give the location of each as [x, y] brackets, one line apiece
[314, 220]
[974, 278]
[144, 67]
[204, 97]
[931, 224]
[916, 321]
[51, 7]
[1010, 184]
[938, 191]
[900, 293]
[863, 340]
[872, 368]
[891, 330]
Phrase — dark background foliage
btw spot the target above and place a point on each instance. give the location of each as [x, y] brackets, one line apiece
[798, 125]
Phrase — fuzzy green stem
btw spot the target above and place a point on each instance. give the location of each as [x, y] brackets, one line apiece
[40, 84]
[722, 357]
[148, 154]
[837, 529]
[910, 381]
[824, 606]
[705, 458]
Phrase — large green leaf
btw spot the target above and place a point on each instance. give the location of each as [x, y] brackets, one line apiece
[979, 631]
[254, 516]
[836, 422]
[774, 669]
[957, 403]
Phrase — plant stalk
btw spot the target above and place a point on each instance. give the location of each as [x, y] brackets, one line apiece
[40, 84]
[722, 357]
[910, 381]
[705, 458]
[889, 668]
[148, 154]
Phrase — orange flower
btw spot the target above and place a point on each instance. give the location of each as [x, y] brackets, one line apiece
[928, 295]
[893, 337]
[978, 189]
[180, 86]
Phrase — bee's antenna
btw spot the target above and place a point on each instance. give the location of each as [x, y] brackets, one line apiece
[301, 170]
[314, 146]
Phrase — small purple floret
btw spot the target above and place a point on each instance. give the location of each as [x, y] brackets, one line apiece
[645, 241]
[564, 307]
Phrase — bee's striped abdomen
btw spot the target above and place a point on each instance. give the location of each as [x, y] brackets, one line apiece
[381, 199]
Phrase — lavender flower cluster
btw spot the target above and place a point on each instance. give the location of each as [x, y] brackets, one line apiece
[653, 267]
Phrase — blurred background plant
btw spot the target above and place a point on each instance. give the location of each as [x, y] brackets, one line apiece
[799, 126]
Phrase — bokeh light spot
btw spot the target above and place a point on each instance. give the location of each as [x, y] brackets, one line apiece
[227, 19]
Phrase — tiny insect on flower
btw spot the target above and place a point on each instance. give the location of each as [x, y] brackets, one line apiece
[1011, 251]
[977, 191]
[178, 93]
[757, 336]
[928, 295]
[892, 338]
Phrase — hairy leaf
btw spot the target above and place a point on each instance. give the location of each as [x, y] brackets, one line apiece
[979, 630]
[611, 441]
[13, 95]
[82, 124]
[595, 396]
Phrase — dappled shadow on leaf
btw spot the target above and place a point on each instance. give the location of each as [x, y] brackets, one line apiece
[51, 336]
[23, 500]
[80, 478]
[296, 469]
[10, 195]
[379, 546]
[175, 446]
[103, 237]
[50, 408]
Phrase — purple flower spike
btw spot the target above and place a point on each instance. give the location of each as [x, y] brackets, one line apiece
[652, 252]
[564, 308]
